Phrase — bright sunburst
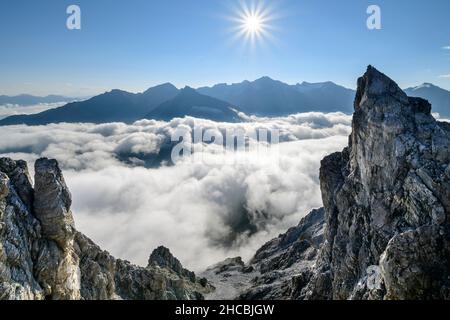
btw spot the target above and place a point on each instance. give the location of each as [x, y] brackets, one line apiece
[253, 22]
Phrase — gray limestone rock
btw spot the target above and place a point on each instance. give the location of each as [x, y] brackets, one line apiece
[17, 171]
[162, 257]
[386, 198]
[52, 203]
[18, 229]
[42, 256]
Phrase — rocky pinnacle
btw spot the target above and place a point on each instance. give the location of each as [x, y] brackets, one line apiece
[43, 256]
[386, 198]
[52, 202]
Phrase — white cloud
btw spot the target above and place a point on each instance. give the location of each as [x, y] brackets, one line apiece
[204, 211]
[445, 76]
[12, 110]
[446, 48]
[438, 117]
[197, 210]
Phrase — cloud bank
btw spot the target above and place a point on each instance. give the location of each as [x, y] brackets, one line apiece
[204, 211]
[12, 110]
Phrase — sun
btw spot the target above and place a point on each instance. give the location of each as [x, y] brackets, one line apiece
[253, 24]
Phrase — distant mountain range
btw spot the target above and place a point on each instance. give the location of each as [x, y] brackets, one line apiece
[262, 97]
[438, 97]
[328, 96]
[28, 100]
[268, 97]
[113, 106]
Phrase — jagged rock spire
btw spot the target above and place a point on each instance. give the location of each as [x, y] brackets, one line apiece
[162, 257]
[43, 256]
[52, 202]
[20, 178]
[385, 194]
[375, 84]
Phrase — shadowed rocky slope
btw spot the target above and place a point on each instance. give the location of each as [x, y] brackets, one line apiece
[277, 268]
[387, 206]
[42, 256]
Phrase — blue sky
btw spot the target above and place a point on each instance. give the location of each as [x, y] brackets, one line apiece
[136, 44]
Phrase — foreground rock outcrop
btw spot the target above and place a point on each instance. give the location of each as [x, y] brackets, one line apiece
[43, 256]
[387, 203]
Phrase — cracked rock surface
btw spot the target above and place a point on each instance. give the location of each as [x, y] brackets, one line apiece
[43, 256]
[387, 202]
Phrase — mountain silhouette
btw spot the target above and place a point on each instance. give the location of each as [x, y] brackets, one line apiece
[191, 103]
[268, 97]
[328, 96]
[438, 97]
[262, 97]
[116, 105]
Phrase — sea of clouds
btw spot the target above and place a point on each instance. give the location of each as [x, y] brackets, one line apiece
[204, 211]
[12, 110]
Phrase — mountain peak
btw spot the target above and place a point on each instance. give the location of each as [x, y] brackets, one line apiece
[265, 79]
[188, 89]
[162, 87]
[188, 92]
[437, 96]
[397, 152]
[315, 85]
[117, 92]
[376, 84]
[425, 85]
[163, 258]
[190, 102]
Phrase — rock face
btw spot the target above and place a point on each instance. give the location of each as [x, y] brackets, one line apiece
[57, 264]
[42, 256]
[387, 201]
[277, 268]
[386, 213]
[18, 229]
[52, 203]
[161, 257]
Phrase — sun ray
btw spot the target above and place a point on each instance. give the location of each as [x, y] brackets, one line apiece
[253, 22]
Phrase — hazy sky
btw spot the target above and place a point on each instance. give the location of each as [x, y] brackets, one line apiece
[133, 45]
